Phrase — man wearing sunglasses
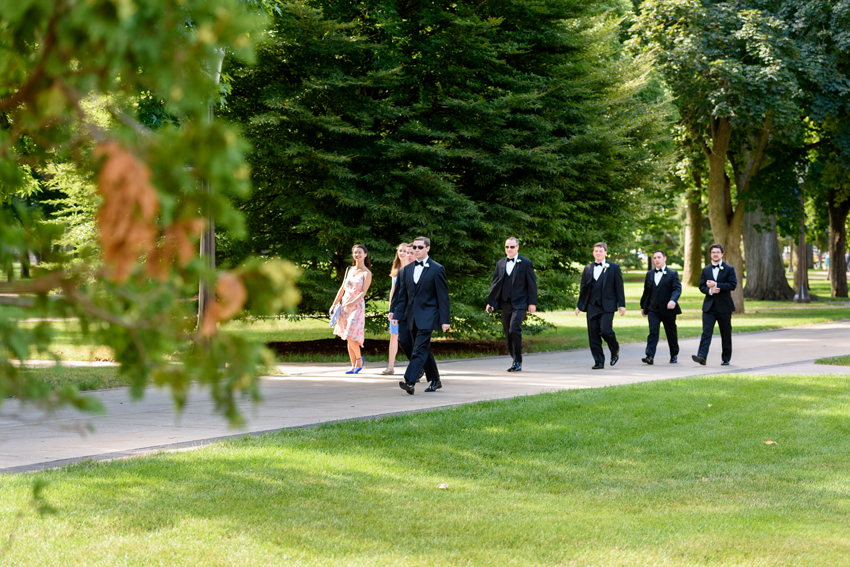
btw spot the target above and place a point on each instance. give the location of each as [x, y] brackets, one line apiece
[421, 301]
[513, 289]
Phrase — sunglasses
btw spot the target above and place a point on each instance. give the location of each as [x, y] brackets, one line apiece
[510, 247]
[418, 247]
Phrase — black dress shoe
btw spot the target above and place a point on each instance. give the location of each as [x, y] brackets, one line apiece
[435, 385]
[515, 367]
[698, 359]
[724, 363]
[407, 387]
[615, 357]
[598, 365]
[673, 360]
[649, 360]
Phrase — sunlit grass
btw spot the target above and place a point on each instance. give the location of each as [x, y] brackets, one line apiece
[664, 473]
[835, 360]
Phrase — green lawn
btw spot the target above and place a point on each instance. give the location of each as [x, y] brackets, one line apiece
[86, 378]
[836, 360]
[666, 473]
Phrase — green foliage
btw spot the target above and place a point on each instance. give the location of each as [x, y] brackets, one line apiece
[466, 122]
[76, 76]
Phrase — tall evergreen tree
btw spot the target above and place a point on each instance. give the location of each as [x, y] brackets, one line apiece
[464, 121]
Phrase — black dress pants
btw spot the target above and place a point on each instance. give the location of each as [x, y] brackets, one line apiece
[655, 321]
[416, 344]
[512, 325]
[600, 325]
[724, 321]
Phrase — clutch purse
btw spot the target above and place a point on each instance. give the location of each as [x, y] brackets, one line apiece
[335, 311]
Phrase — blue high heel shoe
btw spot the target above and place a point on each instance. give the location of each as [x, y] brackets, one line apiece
[356, 370]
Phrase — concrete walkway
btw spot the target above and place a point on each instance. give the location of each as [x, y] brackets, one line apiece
[305, 394]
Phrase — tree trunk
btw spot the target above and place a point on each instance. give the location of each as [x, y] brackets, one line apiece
[766, 278]
[693, 235]
[726, 223]
[837, 243]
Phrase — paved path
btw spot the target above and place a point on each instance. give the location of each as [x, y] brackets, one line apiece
[305, 394]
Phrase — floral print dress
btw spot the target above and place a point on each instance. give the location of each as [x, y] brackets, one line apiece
[352, 319]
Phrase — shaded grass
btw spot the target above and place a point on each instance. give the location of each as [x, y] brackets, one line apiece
[83, 378]
[665, 473]
[835, 360]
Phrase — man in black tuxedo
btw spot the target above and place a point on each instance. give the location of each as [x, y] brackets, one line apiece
[717, 282]
[660, 304]
[600, 294]
[421, 300]
[513, 289]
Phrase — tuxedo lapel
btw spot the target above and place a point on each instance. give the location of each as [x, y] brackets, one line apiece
[408, 274]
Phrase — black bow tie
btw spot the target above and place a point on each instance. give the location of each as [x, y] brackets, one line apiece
[510, 259]
[657, 270]
[597, 263]
[715, 265]
[418, 263]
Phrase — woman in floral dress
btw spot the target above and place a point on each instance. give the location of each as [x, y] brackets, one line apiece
[352, 318]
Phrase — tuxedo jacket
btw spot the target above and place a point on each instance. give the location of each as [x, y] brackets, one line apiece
[613, 295]
[669, 289]
[726, 283]
[523, 283]
[425, 304]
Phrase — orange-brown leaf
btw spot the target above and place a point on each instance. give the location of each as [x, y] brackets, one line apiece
[232, 296]
[130, 205]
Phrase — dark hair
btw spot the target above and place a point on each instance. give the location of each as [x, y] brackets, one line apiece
[663, 253]
[367, 261]
[424, 239]
[514, 238]
[396, 261]
[716, 245]
[601, 245]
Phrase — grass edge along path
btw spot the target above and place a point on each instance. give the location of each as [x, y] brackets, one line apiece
[719, 470]
[835, 360]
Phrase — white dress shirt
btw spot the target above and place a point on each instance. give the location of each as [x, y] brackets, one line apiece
[509, 266]
[417, 270]
[715, 271]
[597, 271]
[659, 274]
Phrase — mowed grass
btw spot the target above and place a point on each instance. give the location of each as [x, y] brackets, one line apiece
[570, 331]
[835, 360]
[82, 378]
[665, 473]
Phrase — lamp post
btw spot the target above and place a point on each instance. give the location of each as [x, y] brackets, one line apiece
[801, 276]
[206, 292]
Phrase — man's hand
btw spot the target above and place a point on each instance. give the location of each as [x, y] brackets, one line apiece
[446, 328]
[711, 283]
[390, 316]
[577, 311]
[489, 308]
[532, 308]
[671, 305]
[642, 313]
[622, 311]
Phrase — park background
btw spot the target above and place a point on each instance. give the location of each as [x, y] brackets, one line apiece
[181, 185]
